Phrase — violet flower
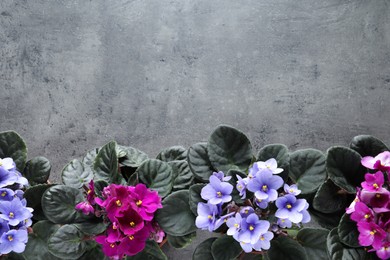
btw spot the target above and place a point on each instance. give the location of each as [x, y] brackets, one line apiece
[85, 207]
[234, 224]
[14, 211]
[221, 176]
[216, 191]
[207, 216]
[270, 164]
[264, 241]
[241, 186]
[13, 240]
[246, 211]
[265, 185]
[251, 229]
[373, 182]
[370, 234]
[145, 201]
[380, 162]
[383, 252]
[292, 189]
[289, 207]
[362, 213]
[284, 223]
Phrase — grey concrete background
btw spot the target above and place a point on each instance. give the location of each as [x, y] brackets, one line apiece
[152, 74]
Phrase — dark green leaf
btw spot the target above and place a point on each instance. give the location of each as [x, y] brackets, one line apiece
[199, 162]
[195, 198]
[367, 145]
[58, 204]
[280, 153]
[176, 217]
[327, 221]
[344, 168]
[33, 196]
[228, 148]
[152, 252]
[181, 241]
[12, 145]
[94, 251]
[133, 180]
[330, 198]
[203, 250]
[37, 170]
[75, 175]
[99, 186]
[67, 242]
[157, 175]
[225, 247]
[348, 232]
[92, 227]
[313, 241]
[89, 158]
[182, 175]
[134, 157]
[285, 248]
[106, 164]
[336, 250]
[173, 153]
[307, 169]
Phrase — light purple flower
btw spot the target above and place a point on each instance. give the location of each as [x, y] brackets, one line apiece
[292, 189]
[6, 194]
[263, 204]
[289, 207]
[14, 211]
[284, 223]
[251, 229]
[221, 176]
[264, 241]
[207, 216]
[246, 211]
[265, 185]
[241, 186]
[13, 240]
[234, 224]
[270, 164]
[305, 213]
[380, 162]
[216, 191]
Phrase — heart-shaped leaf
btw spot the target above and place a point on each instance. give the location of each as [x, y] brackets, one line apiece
[183, 177]
[106, 164]
[199, 162]
[94, 226]
[367, 145]
[327, 221]
[336, 249]
[330, 198]
[12, 145]
[280, 153]
[33, 195]
[285, 248]
[307, 169]
[37, 170]
[195, 198]
[67, 242]
[173, 153]
[58, 204]
[75, 175]
[313, 241]
[176, 217]
[134, 157]
[94, 251]
[225, 247]
[157, 175]
[228, 148]
[90, 156]
[182, 241]
[203, 250]
[348, 232]
[344, 168]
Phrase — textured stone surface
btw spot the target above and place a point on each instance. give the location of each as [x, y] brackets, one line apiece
[152, 74]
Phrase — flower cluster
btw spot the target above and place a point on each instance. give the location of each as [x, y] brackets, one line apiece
[15, 216]
[129, 212]
[248, 223]
[371, 207]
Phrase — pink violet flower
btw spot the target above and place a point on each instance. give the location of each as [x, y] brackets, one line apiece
[362, 213]
[130, 222]
[383, 252]
[91, 193]
[373, 182]
[113, 233]
[133, 244]
[156, 234]
[85, 207]
[351, 207]
[379, 162]
[109, 249]
[370, 234]
[145, 201]
[378, 201]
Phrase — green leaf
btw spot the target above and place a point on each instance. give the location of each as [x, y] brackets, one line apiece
[367, 145]
[106, 164]
[203, 250]
[327, 221]
[37, 170]
[75, 175]
[94, 251]
[183, 177]
[12, 145]
[336, 250]
[99, 186]
[225, 247]
[176, 217]
[58, 204]
[33, 195]
[67, 242]
[280, 153]
[307, 169]
[195, 198]
[344, 168]
[173, 153]
[151, 251]
[92, 227]
[36, 248]
[90, 156]
[348, 232]
[228, 148]
[285, 248]
[181, 241]
[199, 162]
[330, 198]
[134, 157]
[157, 175]
[313, 241]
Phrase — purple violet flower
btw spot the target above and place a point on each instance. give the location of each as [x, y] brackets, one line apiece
[6, 194]
[85, 207]
[221, 176]
[234, 225]
[284, 223]
[264, 241]
[263, 204]
[252, 228]
[216, 191]
[380, 162]
[270, 164]
[265, 185]
[246, 211]
[207, 216]
[289, 207]
[14, 211]
[241, 186]
[13, 240]
[292, 189]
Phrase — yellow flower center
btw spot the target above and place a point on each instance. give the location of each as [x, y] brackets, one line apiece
[375, 186]
[219, 194]
[139, 202]
[89, 191]
[118, 203]
[246, 211]
[114, 227]
[378, 195]
[282, 220]
[372, 232]
[11, 215]
[367, 216]
[265, 187]
[291, 190]
[259, 200]
[10, 238]
[261, 238]
[112, 245]
[236, 225]
[1, 162]
[131, 237]
[132, 224]
[209, 217]
[3, 193]
[288, 206]
[240, 186]
[251, 228]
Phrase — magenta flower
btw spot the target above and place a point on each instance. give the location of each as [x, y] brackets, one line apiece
[370, 234]
[156, 234]
[362, 213]
[351, 207]
[113, 233]
[130, 222]
[373, 182]
[378, 201]
[383, 252]
[85, 207]
[145, 201]
[133, 244]
[91, 193]
[108, 248]
[380, 162]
